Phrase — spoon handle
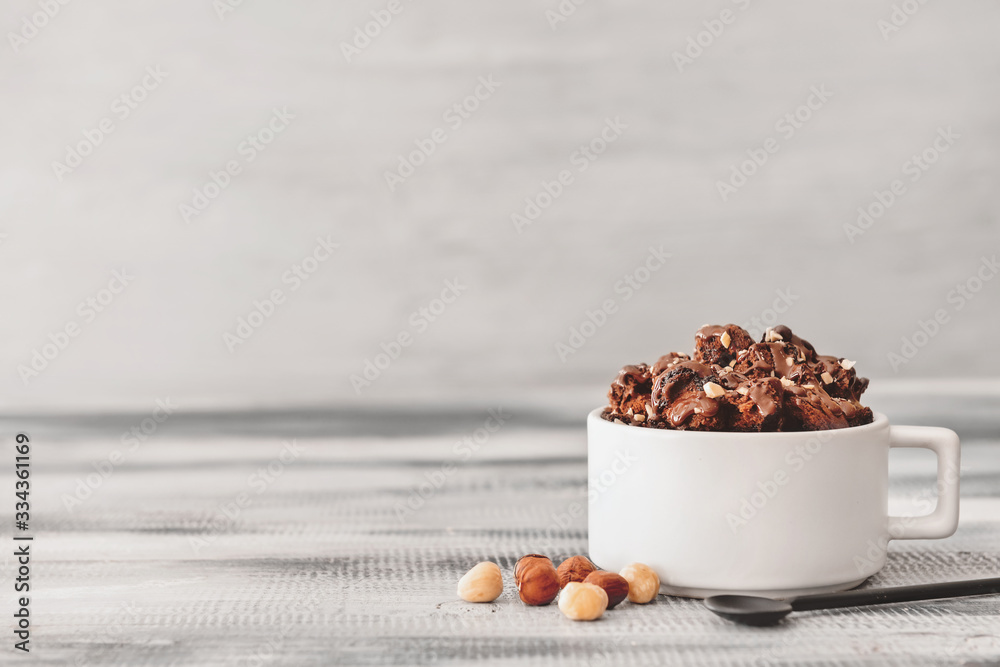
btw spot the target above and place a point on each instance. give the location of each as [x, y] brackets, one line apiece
[859, 598]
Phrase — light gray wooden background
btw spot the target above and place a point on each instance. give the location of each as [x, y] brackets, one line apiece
[324, 175]
[322, 568]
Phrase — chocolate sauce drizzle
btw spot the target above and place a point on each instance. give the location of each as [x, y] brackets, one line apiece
[780, 370]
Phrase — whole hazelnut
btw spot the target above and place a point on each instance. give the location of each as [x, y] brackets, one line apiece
[581, 601]
[483, 583]
[615, 585]
[574, 569]
[536, 579]
[643, 584]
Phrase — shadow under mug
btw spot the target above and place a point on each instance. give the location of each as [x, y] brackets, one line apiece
[773, 514]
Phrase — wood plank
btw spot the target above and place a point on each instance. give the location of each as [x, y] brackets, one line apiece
[320, 568]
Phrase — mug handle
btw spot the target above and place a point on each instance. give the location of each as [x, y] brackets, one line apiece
[943, 521]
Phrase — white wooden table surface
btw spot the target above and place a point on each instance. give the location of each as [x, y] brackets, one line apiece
[158, 564]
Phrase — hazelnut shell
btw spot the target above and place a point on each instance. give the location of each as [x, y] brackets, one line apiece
[536, 579]
[574, 569]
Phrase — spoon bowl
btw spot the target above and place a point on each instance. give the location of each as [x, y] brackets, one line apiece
[749, 610]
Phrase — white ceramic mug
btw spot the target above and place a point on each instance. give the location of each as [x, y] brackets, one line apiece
[775, 514]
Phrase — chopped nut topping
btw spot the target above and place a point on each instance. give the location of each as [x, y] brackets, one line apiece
[713, 390]
[732, 379]
[619, 421]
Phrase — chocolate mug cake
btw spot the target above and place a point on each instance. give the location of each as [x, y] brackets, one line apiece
[732, 383]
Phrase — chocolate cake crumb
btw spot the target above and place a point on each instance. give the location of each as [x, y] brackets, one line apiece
[777, 384]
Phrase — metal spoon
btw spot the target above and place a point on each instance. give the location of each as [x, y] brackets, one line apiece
[752, 610]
